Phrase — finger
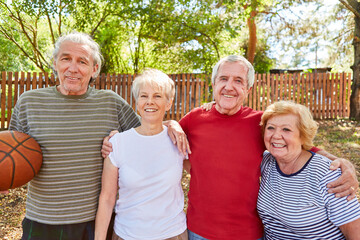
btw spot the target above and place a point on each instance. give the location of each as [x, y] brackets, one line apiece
[184, 146]
[112, 133]
[188, 150]
[340, 181]
[351, 196]
[335, 164]
[172, 137]
[342, 193]
[179, 142]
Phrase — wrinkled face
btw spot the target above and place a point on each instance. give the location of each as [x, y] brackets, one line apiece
[75, 67]
[152, 104]
[231, 87]
[282, 137]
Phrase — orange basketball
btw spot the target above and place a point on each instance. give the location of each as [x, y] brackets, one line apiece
[20, 159]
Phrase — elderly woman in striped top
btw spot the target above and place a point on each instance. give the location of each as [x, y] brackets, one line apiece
[293, 201]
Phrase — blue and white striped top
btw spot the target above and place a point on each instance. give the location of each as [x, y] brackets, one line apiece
[298, 206]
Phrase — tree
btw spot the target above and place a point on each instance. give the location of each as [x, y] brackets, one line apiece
[354, 7]
[174, 36]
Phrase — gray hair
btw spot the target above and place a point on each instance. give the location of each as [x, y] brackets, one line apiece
[81, 38]
[235, 58]
[156, 78]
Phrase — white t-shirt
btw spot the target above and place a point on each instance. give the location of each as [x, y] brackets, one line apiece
[151, 200]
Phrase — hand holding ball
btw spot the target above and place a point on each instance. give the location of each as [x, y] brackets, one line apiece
[20, 159]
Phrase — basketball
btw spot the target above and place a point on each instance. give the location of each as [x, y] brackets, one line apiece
[20, 159]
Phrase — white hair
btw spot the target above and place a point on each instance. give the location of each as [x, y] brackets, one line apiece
[156, 78]
[81, 38]
[235, 58]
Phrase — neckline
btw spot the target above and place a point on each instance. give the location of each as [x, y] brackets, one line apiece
[295, 173]
[150, 136]
[217, 113]
[82, 96]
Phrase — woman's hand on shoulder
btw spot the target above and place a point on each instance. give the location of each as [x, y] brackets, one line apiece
[207, 106]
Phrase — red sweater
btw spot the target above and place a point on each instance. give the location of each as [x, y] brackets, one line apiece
[225, 170]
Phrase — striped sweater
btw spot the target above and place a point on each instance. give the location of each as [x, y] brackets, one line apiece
[70, 130]
[298, 206]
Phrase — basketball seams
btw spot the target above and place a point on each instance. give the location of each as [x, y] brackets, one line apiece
[13, 169]
[17, 147]
[21, 143]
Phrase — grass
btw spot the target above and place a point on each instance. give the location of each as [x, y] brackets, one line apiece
[339, 137]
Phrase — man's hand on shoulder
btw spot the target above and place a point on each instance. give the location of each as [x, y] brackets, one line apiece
[347, 184]
[106, 148]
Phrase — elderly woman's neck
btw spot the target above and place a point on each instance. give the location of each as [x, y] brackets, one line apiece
[149, 129]
[295, 164]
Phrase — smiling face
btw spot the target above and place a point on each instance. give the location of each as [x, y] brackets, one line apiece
[282, 137]
[231, 87]
[152, 104]
[74, 65]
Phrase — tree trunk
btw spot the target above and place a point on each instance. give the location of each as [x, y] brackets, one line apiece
[355, 87]
[252, 37]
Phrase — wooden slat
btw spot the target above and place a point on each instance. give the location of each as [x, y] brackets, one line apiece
[323, 85]
[130, 98]
[3, 98]
[113, 82]
[316, 95]
[289, 93]
[9, 96]
[263, 92]
[336, 92]
[16, 87]
[22, 83]
[202, 83]
[248, 101]
[123, 88]
[182, 94]
[341, 95]
[34, 81]
[306, 90]
[258, 91]
[348, 94]
[53, 80]
[206, 88]
[333, 95]
[272, 86]
[46, 76]
[197, 95]
[28, 81]
[188, 107]
[298, 92]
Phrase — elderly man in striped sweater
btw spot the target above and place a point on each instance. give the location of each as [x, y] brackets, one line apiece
[69, 121]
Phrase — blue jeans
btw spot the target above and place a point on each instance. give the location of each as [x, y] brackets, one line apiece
[194, 236]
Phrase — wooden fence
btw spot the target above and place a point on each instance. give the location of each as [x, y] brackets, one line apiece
[327, 95]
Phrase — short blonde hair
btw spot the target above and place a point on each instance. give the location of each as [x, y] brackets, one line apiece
[155, 78]
[306, 124]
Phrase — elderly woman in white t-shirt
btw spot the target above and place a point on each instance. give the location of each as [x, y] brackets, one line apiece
[145, 168]
[293, 200]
